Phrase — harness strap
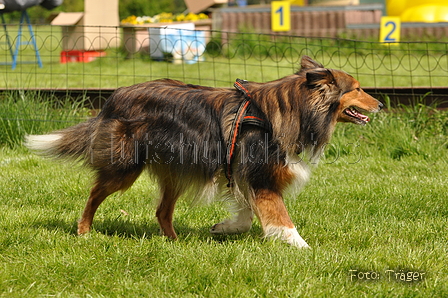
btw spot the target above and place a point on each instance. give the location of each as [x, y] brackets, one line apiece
[254, 118]
[239, 86]
[236, 125]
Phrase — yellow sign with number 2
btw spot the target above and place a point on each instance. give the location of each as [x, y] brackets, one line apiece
[390, 29]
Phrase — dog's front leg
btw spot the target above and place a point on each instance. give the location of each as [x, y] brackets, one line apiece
[274, 218]
[240, 223]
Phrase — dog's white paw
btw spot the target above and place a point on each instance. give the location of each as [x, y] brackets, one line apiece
[288, 235]
[240, 223]
[229, 226]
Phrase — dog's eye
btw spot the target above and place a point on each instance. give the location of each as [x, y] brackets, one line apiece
[358, 89]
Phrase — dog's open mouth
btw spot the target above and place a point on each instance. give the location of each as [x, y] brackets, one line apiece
[355, 113]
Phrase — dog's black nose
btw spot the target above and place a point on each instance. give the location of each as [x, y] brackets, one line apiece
[380, 105]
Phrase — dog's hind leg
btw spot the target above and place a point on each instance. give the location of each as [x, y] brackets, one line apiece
[165, 210]
[240, 223]
[274, 218]
[105, 184]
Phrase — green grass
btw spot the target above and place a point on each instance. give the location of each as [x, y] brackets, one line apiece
[377, 202]
[22, 113]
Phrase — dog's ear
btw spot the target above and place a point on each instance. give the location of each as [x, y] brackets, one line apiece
[308, 63]
[319, 77]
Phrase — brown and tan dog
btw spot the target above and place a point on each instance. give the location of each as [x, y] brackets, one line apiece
[197, 141]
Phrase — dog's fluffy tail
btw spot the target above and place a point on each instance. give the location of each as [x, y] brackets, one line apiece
[73, 142]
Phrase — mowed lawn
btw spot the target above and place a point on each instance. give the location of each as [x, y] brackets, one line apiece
[375, 213]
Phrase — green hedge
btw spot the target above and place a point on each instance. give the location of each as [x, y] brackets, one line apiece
[126, 8]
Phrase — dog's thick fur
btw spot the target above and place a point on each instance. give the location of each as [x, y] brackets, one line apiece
[179, 132]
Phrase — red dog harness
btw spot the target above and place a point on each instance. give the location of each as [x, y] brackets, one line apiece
[248, 113]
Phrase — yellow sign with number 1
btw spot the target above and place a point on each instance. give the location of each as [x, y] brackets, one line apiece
[280, 16]
[390, 29]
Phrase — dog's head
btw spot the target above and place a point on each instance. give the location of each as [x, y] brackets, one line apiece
[341, 91]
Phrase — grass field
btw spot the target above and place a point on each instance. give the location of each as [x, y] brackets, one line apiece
[375, 211]
[376, 207]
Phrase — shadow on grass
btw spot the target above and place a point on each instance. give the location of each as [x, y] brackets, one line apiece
[54, 224]
[125, 229]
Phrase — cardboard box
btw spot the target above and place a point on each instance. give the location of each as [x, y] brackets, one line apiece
[180, 40]
[94, 29]
[197, 6]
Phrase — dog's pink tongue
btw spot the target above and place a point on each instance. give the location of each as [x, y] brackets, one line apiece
[358, 115]
[363, 117]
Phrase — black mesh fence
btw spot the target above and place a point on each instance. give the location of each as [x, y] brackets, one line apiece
[92, 58]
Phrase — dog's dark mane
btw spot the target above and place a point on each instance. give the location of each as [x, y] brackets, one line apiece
[302, 114]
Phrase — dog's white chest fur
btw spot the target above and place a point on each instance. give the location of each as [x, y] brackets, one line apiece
[301, 171]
